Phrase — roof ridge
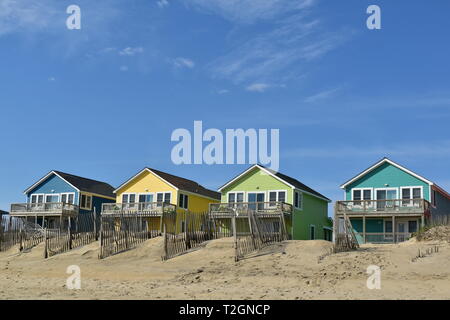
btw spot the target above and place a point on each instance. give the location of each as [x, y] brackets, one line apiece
[178, 177]
[74, 175]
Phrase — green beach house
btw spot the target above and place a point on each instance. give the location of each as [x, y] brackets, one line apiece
[388, 203]
[264, 191]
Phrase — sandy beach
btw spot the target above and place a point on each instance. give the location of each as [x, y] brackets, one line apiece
[293, 270]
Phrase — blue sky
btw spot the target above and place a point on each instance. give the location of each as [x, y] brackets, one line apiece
[102, 102]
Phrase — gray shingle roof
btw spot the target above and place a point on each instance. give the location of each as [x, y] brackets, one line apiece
[186, 184]
[88, 185]
[296, 183]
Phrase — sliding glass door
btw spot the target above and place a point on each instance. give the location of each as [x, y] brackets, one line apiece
[256, 200]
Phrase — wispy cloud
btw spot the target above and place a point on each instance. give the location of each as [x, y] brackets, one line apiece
[162, 3]
[322, 95]
[280, 53]
[130, 51]
[123, 68]
[223, 91]
[258, 87]
[249, 11]
[16, 15]
[181, 62]
[439, 149]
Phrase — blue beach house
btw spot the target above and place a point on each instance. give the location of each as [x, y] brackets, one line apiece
[60, 196]
[388, 203]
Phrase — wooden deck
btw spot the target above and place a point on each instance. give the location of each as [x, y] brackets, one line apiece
[52, 209]
[242, 209]
[382, 208]
[155, 209]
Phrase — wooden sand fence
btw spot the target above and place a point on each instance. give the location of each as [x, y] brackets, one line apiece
[252, 232]
[79, 232]
[256, 231]
[32, 235]
[345, 237]
[183, 232]
[10, 232]
[121, 232]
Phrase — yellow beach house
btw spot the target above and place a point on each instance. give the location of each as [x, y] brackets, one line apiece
[151, 192]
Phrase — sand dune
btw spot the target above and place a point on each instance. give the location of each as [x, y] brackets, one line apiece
[293, 270]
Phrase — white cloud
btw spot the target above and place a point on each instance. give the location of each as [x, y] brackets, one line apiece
[249, 11]
[129, 51]
[181, 62]
[258, 87]
[52, 79]
[223, 91]
[123, 68]
[162, 3]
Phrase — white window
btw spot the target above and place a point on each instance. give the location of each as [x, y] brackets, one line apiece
[183, 201]
[128, 198]
[86, 202]
[298, 199]
[68, 198]
[163, 197]
[277, 196]
[361, 194]
[410, 195]
[234, 197]
[37, 198]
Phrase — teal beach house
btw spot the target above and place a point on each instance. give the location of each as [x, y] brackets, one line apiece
[59, 196]
[388, 203]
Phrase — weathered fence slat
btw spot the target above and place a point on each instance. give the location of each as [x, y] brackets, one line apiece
[121, 232]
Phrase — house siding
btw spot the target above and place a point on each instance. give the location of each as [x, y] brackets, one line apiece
[147, 182]
[442, 205]
[389, 175]
[257, 181]
[373, 225]
[54, 183]
[96, 204]
[315, 212]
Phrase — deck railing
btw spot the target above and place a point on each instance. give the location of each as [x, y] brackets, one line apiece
[137, 208]
[407, 206]
[23, 209]
[386, 237]
[242, 208]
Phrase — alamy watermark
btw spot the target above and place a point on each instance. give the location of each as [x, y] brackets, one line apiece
[235, 146]
[73, 282]
[374, 20]
[374, 280]
[73, 22]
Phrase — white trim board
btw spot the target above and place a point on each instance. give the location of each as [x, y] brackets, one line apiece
[379, 163]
